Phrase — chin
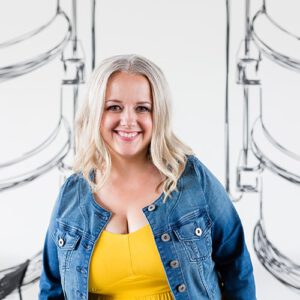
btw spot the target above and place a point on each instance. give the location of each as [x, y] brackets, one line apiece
[130, 154]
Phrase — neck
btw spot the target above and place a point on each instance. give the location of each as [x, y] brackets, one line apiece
[122, 166]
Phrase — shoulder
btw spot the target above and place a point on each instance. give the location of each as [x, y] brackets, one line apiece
[69, 189]
[212, 188]
[194, 164]
[220, 207]
[71, 182]
[193, 160]
[67, 206]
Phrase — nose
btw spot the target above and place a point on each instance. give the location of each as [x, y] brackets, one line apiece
[128, 117]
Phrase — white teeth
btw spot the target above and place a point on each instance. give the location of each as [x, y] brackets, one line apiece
[128, 135]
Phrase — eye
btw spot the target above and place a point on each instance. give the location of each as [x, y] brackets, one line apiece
[143, 109]
[114, 108]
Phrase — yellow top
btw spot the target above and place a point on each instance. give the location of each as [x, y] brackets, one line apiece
[127, 267]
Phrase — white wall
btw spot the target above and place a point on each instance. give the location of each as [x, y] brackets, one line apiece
[187, 40]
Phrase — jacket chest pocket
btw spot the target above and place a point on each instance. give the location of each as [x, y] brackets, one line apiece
[66, 242]
[195, 237]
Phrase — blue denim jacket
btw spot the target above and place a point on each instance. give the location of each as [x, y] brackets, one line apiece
[198, 227]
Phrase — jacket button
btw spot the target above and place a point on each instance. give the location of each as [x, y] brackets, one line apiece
[174, 264]
[181, 288]
[61, 242]
[165, 237]
[151, 207]
[198, 231]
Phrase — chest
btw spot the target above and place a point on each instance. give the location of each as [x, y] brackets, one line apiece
[125, 200]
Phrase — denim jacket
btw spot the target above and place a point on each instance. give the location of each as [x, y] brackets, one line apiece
[197, 232]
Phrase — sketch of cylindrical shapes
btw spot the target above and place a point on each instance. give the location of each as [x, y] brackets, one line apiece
[274, 137]
[248, 60]
[69, 97]
[247, 75]
[33, 50]
[277, 43]
[38, 161]
[282, 47]
[73, 57]
[27, 53]
[247, 178]
[273, 155]
[74, 65]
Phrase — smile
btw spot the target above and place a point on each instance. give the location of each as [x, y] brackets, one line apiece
[127, 136]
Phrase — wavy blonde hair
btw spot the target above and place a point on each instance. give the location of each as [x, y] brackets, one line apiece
[166, 151]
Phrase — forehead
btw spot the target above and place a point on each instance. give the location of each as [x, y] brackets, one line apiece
[127, 86]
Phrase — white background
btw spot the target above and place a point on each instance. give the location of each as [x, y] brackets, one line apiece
[187, 40]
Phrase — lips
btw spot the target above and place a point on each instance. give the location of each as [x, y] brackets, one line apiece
[127, 135]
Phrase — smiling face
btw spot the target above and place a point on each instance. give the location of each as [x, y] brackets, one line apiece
[126, 124]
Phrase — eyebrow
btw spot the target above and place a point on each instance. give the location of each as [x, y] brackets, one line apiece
[119, 101]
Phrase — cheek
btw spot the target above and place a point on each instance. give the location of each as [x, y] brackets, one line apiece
[107, 123]
[147, 123]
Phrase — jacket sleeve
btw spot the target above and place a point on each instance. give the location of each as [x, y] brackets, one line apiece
[50, 281]
[229, 252]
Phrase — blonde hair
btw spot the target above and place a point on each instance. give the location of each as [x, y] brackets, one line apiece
[166, 151]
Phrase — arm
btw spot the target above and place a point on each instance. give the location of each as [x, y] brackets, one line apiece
[50, 284]
[230, 253]
[50, 281]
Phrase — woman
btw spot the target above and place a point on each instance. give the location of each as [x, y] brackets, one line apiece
[141, 217]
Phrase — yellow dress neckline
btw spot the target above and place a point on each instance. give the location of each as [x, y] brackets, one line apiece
[126, 234]
[127, 266]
